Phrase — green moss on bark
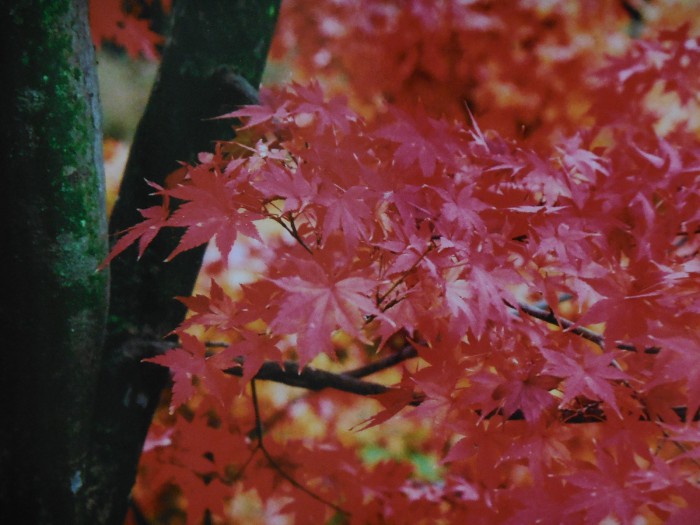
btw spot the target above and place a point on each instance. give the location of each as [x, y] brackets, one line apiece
[57, 237]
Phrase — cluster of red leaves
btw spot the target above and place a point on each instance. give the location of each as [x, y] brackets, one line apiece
[125, 24]
[523, 68]
[407, 224]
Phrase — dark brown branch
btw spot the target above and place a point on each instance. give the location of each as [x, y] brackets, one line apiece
[549, 317]
[313, 379]
[406, 352]
[590, 413]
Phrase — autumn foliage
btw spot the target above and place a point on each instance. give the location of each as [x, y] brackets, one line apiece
[502, 224]
[127, 24]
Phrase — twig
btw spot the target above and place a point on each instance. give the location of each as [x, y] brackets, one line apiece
[408, 351]
[291, 230]
[273, 463]
[549, 317]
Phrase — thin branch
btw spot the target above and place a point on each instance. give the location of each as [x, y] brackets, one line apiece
[295, 233]
[549, 317]
[316, 380]
[273, 463]
[408, 351]
[242, 469]
[310, 378]
[256, 408]
[291, 230]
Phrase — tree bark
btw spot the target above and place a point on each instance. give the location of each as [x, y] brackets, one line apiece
[213, 62]
[55, 312]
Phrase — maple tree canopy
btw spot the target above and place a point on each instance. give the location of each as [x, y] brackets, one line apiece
[493, 207]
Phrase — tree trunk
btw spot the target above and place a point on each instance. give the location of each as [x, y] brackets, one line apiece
[54, 314]
[212, 63]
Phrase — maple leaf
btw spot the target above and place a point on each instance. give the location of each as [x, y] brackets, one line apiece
[109, 22]
[421, 141]
[474, 296]
[216, 310]
[186, 363]
[213, 208]
[349, 211]
[630, 306]
[606, 489]
[260, 113]
[423, 227]
[690, 435]
[530, 394]
[410, 245]
[543, 503]
[295, 187]
[463, 208]
[393, 401]
[251, 352]
[181, 364]
[542, 448]
[317, 301]
[155, 218]
[680, 364]
[333, 113]
[201, 495]
[588, 376]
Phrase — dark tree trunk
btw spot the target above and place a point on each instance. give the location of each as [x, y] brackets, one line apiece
[76, 410]
[53, 316]
[212, 63]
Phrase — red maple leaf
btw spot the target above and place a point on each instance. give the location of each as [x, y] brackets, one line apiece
[349, 211]
[680, 364]
[254, 115]
[155, 218]
[334, 113]
[217, 310]
[294, 186]
[606, 489]
[108, 21]
[474, 295]
[588, 375]
[393, 401]
[214, 207]
[186, 363]
[631, 306]
[421, 141]
[318, 301]
[250, 353]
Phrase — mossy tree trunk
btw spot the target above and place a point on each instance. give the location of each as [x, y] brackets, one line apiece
[54, 315]
[77, 399]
